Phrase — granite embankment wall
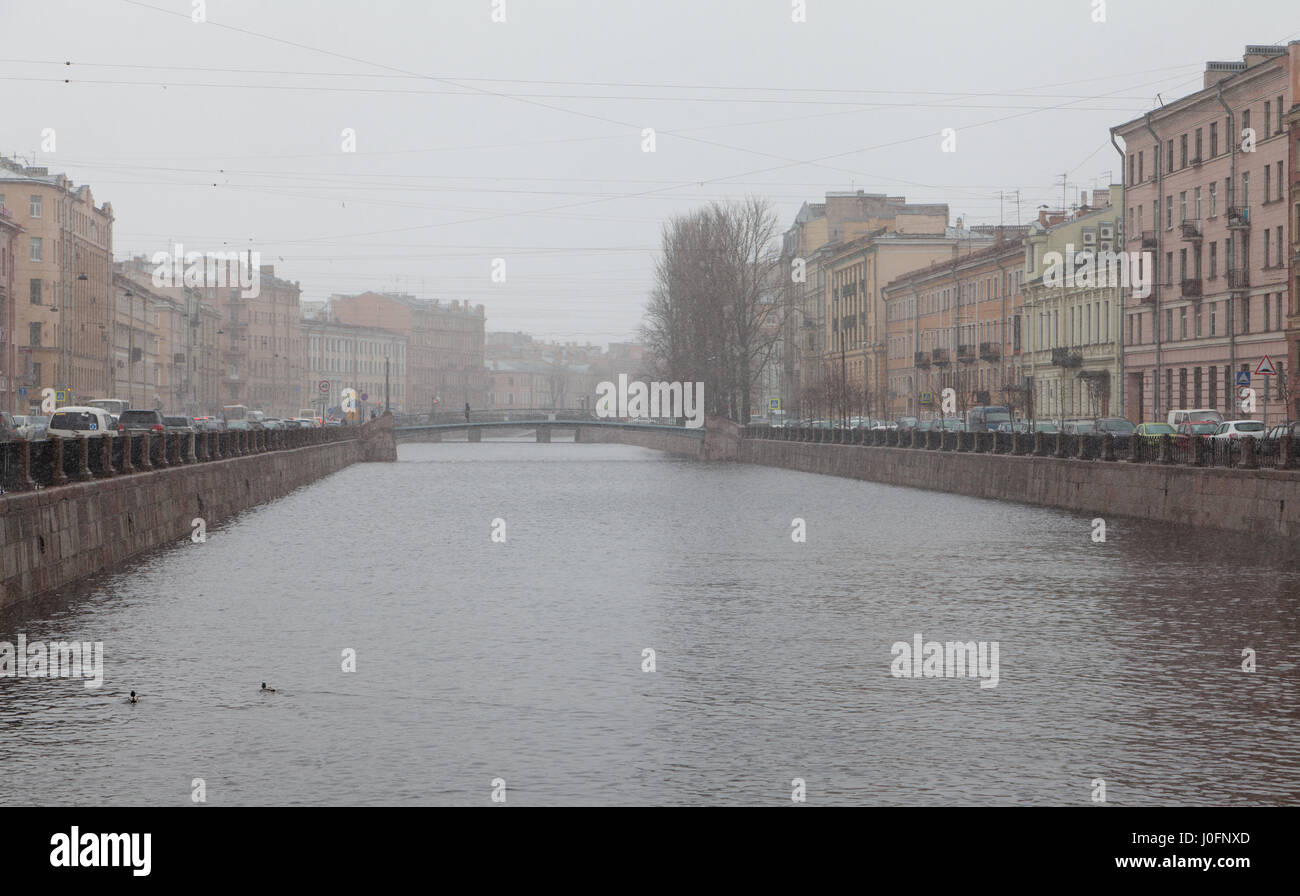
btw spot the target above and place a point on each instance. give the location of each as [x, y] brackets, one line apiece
[1256, 501]
[57, 536]
[718, 440]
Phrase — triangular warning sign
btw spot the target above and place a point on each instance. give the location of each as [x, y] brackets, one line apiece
[1266, 367]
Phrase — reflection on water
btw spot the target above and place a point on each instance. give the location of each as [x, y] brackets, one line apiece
[523, 660]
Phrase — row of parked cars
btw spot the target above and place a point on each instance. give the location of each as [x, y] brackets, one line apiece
[1181, 425]
[74, 422]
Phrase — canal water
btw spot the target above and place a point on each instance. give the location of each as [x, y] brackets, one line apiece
[523, 661]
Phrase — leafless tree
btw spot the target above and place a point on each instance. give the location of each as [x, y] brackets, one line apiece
[716, 281]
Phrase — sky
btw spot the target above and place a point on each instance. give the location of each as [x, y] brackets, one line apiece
[525, 140]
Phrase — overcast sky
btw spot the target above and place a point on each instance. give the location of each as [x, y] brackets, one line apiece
[523, 140]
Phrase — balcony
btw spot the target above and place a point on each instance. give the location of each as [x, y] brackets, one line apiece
[966, 354]
[1066, 357]
[1238, 217]
[1149, 239]
[1239, 279]
[1196, 162]
[990, 351]
[1191, 230]
[1191, 288]
[921, 359]
[939, 357]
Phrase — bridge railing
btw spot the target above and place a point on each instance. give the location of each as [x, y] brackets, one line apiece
[55, 461]
[1244, 453]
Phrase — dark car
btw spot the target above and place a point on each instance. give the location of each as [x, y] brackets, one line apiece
[1271, 445]
[141, 421]
[8, 428]
[1121, 428]
[179, 424]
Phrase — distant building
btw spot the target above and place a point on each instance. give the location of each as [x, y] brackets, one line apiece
[10, 231]
[346, 356]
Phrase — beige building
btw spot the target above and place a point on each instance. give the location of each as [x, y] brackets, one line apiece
[10, 233]
[62, 281]
[1071, 329]
[346, 356]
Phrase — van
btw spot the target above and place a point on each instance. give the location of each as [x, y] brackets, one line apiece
[1193, 416]
[986, 419]
[74, 422]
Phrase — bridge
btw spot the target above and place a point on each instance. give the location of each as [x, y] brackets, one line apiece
[543, 427]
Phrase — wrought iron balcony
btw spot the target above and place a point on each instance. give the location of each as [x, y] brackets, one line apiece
[1238, 217]
[1191, 230]
[966, 354]
[1239, 279]
[939, 357]
[1066, 357]
[921, 359]
[990, 351]
[1192, 288]
[1149, 239]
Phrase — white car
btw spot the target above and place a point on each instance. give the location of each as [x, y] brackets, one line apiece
[32, 426]
[74, 422]
[1235, 430]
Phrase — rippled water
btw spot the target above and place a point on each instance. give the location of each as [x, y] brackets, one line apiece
[523, 661]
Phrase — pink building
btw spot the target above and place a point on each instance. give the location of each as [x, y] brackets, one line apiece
[9, 230]
[1206, 194]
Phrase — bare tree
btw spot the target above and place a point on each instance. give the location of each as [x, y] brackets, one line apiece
[716, 282]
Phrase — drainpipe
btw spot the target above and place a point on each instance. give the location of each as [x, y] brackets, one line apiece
[1232, 296]
[1119, 335]
[1160, 201]
[956, 337]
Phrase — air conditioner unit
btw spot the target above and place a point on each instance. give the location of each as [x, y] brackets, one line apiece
[1107, 231]
[1089, 238]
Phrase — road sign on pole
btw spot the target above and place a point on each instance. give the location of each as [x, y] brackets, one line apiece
[1243, 377]
[1266, 367]
[324, 387]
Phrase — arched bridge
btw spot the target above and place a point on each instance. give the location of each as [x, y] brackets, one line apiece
[543, 428]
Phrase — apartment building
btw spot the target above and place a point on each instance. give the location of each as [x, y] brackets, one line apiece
[1205, 192]
[63, 267]
[445, 344]
[347, 356]
[1073, 309]
[819, 229]
[10, 232]
[955, 324]
[1292, 390]
[856, 336]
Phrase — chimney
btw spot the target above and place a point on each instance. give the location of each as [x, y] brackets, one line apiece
[1219, 71]
[1257, 53]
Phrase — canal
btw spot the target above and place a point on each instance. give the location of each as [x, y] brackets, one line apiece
[523, 660]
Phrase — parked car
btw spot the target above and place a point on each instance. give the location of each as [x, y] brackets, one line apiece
[1151, 432]
[952, 424]
[210, 424]
[32, 426]
[179, 424]
[1182, 416]
[273, 423]
[8, 428]
[906, 423]
[1119, 427]
[1044, 426]
[1290, 428]
[1078, 427]
[304, 422]
[1194, 429]
[986, 419]
[141, 421]
[1235, 430]
[76, 421]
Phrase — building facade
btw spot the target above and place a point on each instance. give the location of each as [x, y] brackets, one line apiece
[10, 233]
[1205, 193]
[63, 271]
[347, 356]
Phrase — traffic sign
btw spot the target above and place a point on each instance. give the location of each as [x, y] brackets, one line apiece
[774, 404]
[1266, 367]
[1243, 377]
[22, 391]
[927, 399]
[323, 386]
[365, 397]
[1243, 393]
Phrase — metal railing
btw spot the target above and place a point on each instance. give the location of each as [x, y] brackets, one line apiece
[1246, 453]
[55, 461]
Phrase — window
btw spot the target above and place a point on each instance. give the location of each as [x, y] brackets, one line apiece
[1169, 159]
[34, 335]
[1245, 189]
[1268, 182]
[36, 291]
[1214, 317]
[1279, 180]
[36, 248]
[1182, 206]
[1214, 139]
[1278, 131]
[1268, 113]
[1132, 167]
[1169, 212]
[1141, 167]
[35, 209]
[1182, 150]
[1245, 315]
[1198, 203]
[1198, 323]
[1198, 144]
[1245, 120]
[1169, 324]
[1214, 199]
[1182, 323]
[1281, 260]
[1169, 269]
